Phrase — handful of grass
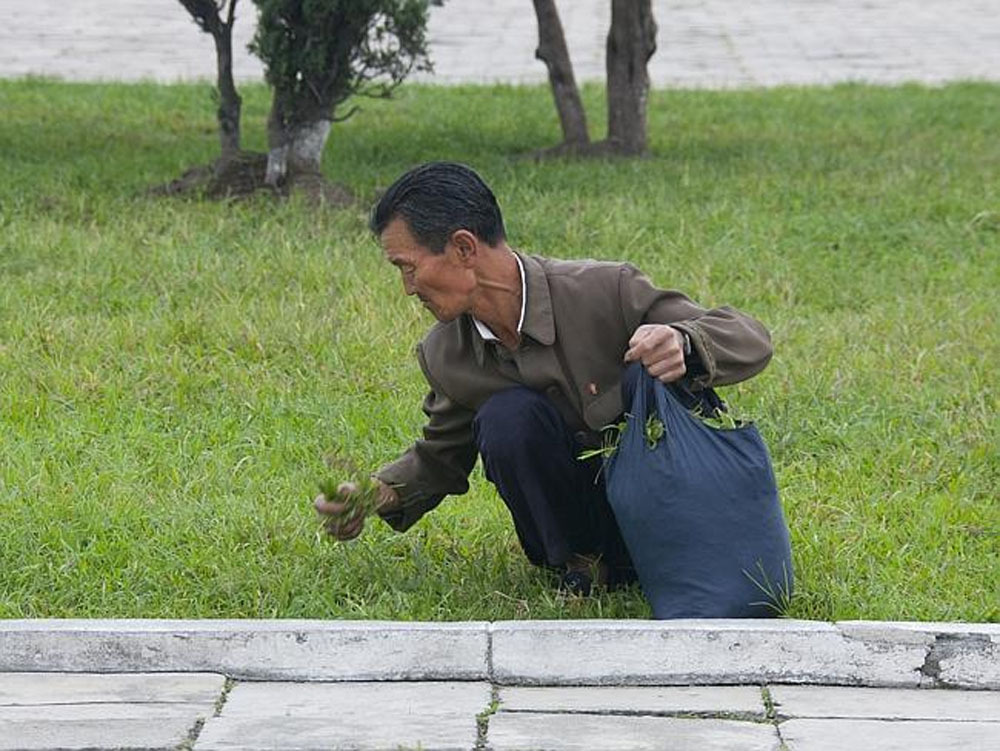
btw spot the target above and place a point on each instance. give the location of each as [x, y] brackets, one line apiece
[360, 496]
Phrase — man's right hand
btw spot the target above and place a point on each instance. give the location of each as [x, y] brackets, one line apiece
[339, 522]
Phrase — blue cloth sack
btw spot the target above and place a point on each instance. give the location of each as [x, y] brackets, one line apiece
[699, 511]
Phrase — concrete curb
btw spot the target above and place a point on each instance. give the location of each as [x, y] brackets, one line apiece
[735, 651]
[255, 650]
[593, 652]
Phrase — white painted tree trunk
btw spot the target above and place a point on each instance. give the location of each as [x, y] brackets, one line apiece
[277, 165]
[301, 152]
[305, 152]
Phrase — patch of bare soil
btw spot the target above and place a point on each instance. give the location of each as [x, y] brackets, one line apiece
[242, 175]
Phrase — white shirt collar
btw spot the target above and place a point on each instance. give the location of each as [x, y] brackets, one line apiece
[484, 330]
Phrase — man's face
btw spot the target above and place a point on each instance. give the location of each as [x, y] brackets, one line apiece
[442, 281]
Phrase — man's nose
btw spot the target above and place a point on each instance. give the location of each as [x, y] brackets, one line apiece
[408, 286]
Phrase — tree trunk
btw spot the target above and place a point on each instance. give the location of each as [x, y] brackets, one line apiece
[305, 147]
[229, 100]
[631, 42]
[553, 52]
[277, 143]
[206, 14]
[293, 148]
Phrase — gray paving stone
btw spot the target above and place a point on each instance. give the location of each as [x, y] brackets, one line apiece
[87, 711]
[886, 703]
[701, 43]
[699, 652]
[744, 700]
[875, 735]
[22, 689]
[265, 649]
[517, 731]
[356, 716]
[98, 726]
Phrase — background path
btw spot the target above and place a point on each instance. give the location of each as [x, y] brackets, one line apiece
[702, 43]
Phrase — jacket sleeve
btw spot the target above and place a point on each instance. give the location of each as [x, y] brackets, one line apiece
[435, 466]
[730, 346]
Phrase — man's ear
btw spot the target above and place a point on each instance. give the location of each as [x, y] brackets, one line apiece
[466, 245]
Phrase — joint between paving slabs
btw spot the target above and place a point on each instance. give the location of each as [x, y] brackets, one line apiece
[771, 714]
[489, 655]
[770, 708]
[483, 719]
[677, 714]
[192, 737]
[228, 686]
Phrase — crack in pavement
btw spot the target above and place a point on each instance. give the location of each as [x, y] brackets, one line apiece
[947, 647]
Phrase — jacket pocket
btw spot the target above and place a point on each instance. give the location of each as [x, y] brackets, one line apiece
[602, 409]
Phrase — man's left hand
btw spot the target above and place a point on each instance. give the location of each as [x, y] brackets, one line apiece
[660, 348]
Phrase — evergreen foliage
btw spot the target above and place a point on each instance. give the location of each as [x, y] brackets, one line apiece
[317, 53]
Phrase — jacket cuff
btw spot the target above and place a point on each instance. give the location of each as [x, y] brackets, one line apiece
[414, 502]
[401, 519]
[701, 367]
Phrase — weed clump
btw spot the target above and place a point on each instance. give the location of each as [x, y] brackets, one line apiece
[361, 496]
[654, 430]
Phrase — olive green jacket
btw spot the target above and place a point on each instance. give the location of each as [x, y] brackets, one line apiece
[579, 317]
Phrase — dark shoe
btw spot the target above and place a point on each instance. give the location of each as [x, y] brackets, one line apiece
[578, 583]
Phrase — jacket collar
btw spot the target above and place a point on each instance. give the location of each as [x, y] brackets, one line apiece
[539, 323]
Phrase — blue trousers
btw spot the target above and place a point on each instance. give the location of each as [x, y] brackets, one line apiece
[557, 501]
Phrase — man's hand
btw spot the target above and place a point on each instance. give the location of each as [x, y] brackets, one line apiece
[660, 348]
[340, 523]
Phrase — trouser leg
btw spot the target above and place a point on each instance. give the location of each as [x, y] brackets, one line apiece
[557, 501]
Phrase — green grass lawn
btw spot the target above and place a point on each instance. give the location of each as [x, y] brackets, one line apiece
[173, 372]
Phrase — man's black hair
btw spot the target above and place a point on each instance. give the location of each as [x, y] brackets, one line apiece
[438, 198]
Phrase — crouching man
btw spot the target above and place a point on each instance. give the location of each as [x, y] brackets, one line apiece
[524, 367]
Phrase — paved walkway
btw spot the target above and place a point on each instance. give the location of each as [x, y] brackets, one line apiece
[702, 43]
[207, 712]
[506, 686]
